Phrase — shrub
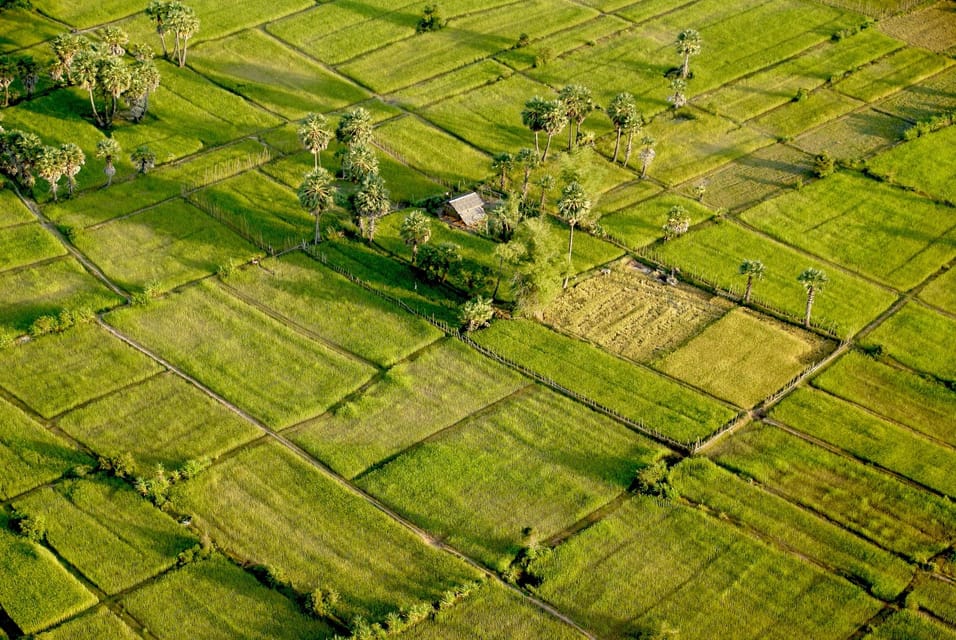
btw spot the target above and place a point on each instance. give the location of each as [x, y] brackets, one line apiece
[321, 603]
[476, 313]
[121, 466]
[431, 19]
[523, 40]
[823, 165]
[31, 527]
[802, 94]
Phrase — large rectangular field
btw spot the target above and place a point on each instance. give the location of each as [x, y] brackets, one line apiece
[913, 336]
[25, 244]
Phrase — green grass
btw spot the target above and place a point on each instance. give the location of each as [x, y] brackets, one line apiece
[642, 223]
[107, 531]
[297, 519]
[268, 369]
[744, 358]
[165, 421]
[217, 600]
[715, 252]
[163, 247]
[916, 164]
[920, 403]
[415, 399]
[25, 244]
[891, 74]
[330, 305]
[820, 107]
[23, 28]
[536, 460]
[273, 75]
[908, 625]
[633, 391]
[29, 454]
[12, 210]
[495, 612]
[625, 197]
[854, 136]
[432, 151]
[698, 576]
[779, 521]
[942, 291]
[915, 336]
[84, 15]
[60, 371]
[856, 232]
[925, 99]
[564, 41]
[883, 509]
[454, 83]
[102, 623]
[35, 590]
[936, 596]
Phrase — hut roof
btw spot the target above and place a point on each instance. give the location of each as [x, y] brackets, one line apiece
[469, 208]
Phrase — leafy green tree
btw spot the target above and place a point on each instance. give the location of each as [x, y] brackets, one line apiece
[503, 219]
[476, 313]
[107, 149]
[49, 166]
[160, 11]
[813, 280]
[687, 44]
[315, 135]
[355, 127]
[415, 231]
[535, 256]
[503, 163]
[437, 260]
[431, 19]
[754, 270]
[14, 4]
[115, 40]
[370, 203]
[578, 104]
[823, 165]
[143, 158]
[527, 159]
[113, 78]
[532, 117]
[73, 160]
[553, 120]
[678, 222]
[647, 155]
[29, 72]
[622, 110]
[574, 207]
[316, 195]
[19, 152]
[84, 73]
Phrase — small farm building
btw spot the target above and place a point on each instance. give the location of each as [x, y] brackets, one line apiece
[468, 208]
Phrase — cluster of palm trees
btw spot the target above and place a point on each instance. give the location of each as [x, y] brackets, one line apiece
[23, 153]
[688, 44]
[176, 18]
[24, 68]
[813, 281]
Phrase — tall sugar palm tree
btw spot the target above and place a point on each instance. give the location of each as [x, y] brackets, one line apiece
[647, 155]
[527, 159]
[415, 231]
[553, 121]
[687, 44]
[316, 195]
[531, 117]
[49, 166]
[578, 103]
[73, 160]
[574, 207]
[355, 127]
[502, 163]
[754, 270]
[370, 203]
[315, 135]
[813, 280]
[107, 149]
[622, 110]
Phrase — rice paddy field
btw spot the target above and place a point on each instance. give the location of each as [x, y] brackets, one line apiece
[213, 427]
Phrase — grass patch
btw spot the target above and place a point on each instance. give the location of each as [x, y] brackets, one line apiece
[915, 336]
[936, 596]
[700, 577]
[165, 421]
[774, 518]
[890, 74]
[643, 223]
[163, 247]
[536, 460]
[916, 165]
[924, 100]
[433, 152]
[909, 625]
[756, 177]
[278, 375]
[27, 243]
[633, 314]
[625, 196]
[305, 524]
[107, 531]
[820, 107]
[942, 291]
[543, 50]
[869, 438]
[217, 600]
[12, 210]
[871, 503]
[744, 357]
[24, 28]
[454, 83]
[102, 623]
[29, 454]
[60, 371]
[920, 403]
[715, 252]
[411, 402]
[35, 591]
[635, 392]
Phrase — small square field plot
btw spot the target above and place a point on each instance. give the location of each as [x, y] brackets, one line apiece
[900, 396]
[217, 600]
[62, 370]
[163, 420]
[852, 220]
[933, 28]
[273, 75]
[937, 596]
[633, 314]
[162, 247]
[269, 369]
[870, 438]
[917, 164]
[535, 460]
[297, 287]
[107, 531]
[406, 406]
[894, 514]
[641, 224]
[744, 357]
[910, 625]
[48, 288]
[29, 454]
[102, 623]
[854, 136]
[435, 153]
[630, 389]
[12, 210]
[35, 590]
[925, 100]
[306, 524]
[497, 613]
[920, 338]
[699, 576]
[890, 74]
[942, 291]
[818, 108]
[716, 252]
[25, 244]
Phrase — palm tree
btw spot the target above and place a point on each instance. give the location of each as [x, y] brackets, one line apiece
[574, 207]
[503, 163]
[184, 24]
[49, 165]
[632, 126]
[531, 117]
[143, 158]
[143, 81]
[678, 98]
[114, 79]
[358, 161]
[316, 195]
[647, 155]
[503, 219]
[622, 111]
[370, 203]
[415, 231]
[578, 103]
[8, 73]
[108, 148]
[687, 45]
[115, 40]
[314, 134]
[29, 70]
[754, 270]
[65, 47]
[159, 10]
[546, 182]
[528, 161]
[355, 127]
[73, 160]
[678, 222]
[84, 72]
[553, 121]
[813, 280]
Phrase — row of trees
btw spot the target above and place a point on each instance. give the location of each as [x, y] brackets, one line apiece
[813, 281]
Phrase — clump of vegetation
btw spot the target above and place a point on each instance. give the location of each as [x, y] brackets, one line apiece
[201, 551]
[678, 222]
[802, 94]
[522, 570]
[321, 603]
[431, 19]
[31, 527]
[930, 125]
[121, 465]
[476, 313]
[653, 480]
[823, 165]
[843, 34]
[523, 41]
[59, 323]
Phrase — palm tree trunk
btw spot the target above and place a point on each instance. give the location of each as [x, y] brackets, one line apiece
[537, 149]
[541, 201]
[628, 148]
[182, 54]
[162, 38]
[501, 262]
[6, 95]
[93, 104]
[524, 185]
[570, 135]
[318, 235]
[617, 145]
[547, 147]
[750, 283]
[685, 68]
[567, 276]
[644, 169]
[414, 253]
[806, 317]
[315, 157]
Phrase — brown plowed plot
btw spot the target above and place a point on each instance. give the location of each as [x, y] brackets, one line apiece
[857, 134]
[933, 28]
[760, 175]
[634, 314]
[924, 100]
